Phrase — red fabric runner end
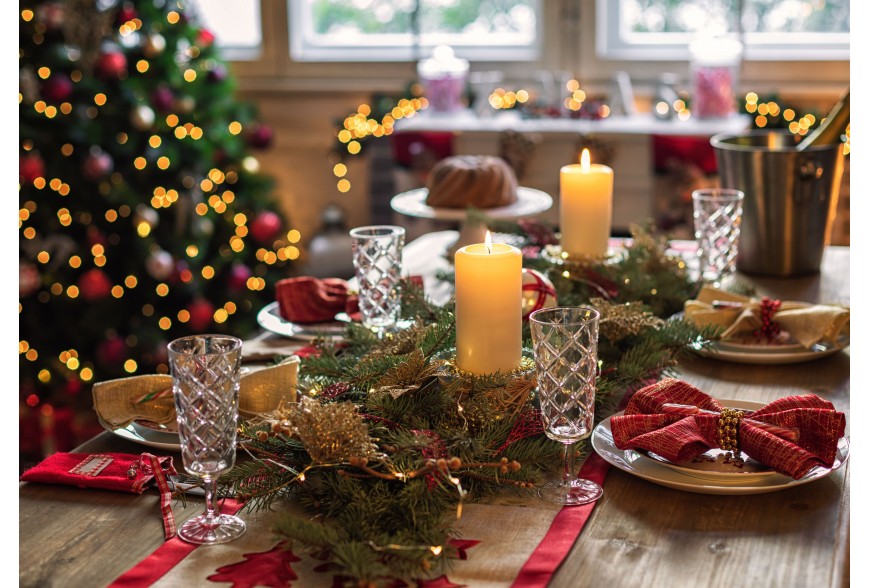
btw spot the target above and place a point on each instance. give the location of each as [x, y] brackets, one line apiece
[563, 532]
[165, 557]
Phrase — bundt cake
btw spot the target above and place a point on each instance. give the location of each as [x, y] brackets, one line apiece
[478, 181]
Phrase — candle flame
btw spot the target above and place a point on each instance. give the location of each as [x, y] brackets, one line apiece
[585, 161]
[488, 242]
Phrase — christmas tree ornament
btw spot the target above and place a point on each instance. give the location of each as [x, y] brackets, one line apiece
[52, 15]
[154, 45]
[160, 264]
[57, 88]
[29, 279]
[238, 276]
[146, 214]
[201, 315]
[260, 137]
[111, 64]
[538, 292]
[94, 285]
[162, 98]
[111, 351]
[30, 167]
[126, 13]
[203, 227]
[251, 164]
[142, 118]
[265, 227]
[97, 165]
[204, 38]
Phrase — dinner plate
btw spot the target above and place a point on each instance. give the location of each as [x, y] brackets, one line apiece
[270, 319]
[786, 352]
[652, 470]
[146, 435]
[529, 202]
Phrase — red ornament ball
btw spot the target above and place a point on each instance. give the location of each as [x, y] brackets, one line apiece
[98, 164]
[30, 167]
[111, 352]
[238, 277]
[112, 64]
[94, 285]
[204, 38]
[265, 227]
[126, 14]
[538, 292]
[260, 137]
[56, 89]
[201, 314]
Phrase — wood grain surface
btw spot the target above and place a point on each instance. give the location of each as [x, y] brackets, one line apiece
[640, 534]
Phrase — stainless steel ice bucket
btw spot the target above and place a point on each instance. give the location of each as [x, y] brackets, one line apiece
[790, 202]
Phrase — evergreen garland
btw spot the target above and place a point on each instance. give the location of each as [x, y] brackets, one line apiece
[428, 438]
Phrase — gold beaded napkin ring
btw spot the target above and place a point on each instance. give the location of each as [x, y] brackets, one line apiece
[729, 423]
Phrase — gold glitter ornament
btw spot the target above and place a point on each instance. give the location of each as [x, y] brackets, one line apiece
[620, 320]
[331, 433]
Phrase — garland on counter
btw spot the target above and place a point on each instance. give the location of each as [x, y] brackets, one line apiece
[388, 441]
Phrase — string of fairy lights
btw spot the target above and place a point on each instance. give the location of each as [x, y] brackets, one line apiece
[358, 125]
[217, 188]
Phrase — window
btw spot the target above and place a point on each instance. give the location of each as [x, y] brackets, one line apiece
[769, 29]
[407, 30]
[235, 24]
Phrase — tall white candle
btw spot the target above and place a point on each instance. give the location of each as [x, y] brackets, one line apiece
[586, 207]
[489, 316]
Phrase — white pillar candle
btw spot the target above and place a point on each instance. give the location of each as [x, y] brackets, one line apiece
[489, 319]
[585, 208]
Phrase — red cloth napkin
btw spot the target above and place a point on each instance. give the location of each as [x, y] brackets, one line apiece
[307, 300]
[108, 471]
[676, 437]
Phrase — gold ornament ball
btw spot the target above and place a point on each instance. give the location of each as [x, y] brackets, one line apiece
[154, 45]
[142, 118]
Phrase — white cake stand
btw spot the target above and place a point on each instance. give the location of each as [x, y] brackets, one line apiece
[413, 203]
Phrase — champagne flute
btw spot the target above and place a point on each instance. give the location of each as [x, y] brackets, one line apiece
[205, 382]
[565, 342]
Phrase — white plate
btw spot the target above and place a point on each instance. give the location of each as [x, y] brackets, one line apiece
[270, 319]
[772, 355]
[640, 465]
[148, 436]
[529, 202]
[760, 354]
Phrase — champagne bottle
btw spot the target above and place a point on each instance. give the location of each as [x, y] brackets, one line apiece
[832, 127]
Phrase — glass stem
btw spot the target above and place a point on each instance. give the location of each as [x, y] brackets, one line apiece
[211, 510]
[568, 474]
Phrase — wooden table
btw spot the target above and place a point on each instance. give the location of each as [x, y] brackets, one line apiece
[640, 533]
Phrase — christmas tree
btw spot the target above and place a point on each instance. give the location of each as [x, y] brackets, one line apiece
[142, 214]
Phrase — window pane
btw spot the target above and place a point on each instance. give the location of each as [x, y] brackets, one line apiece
[796, 16]
[235, 23]
[769, 29]
[406, 29]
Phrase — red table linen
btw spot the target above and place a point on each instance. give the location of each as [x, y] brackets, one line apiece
[307, 300]
[646, 425]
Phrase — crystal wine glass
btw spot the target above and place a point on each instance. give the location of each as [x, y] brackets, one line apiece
[377, 261]
[565, 342]
[205, 382]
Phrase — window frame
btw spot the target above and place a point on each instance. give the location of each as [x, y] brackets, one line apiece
[305, 50]
[611, 44]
